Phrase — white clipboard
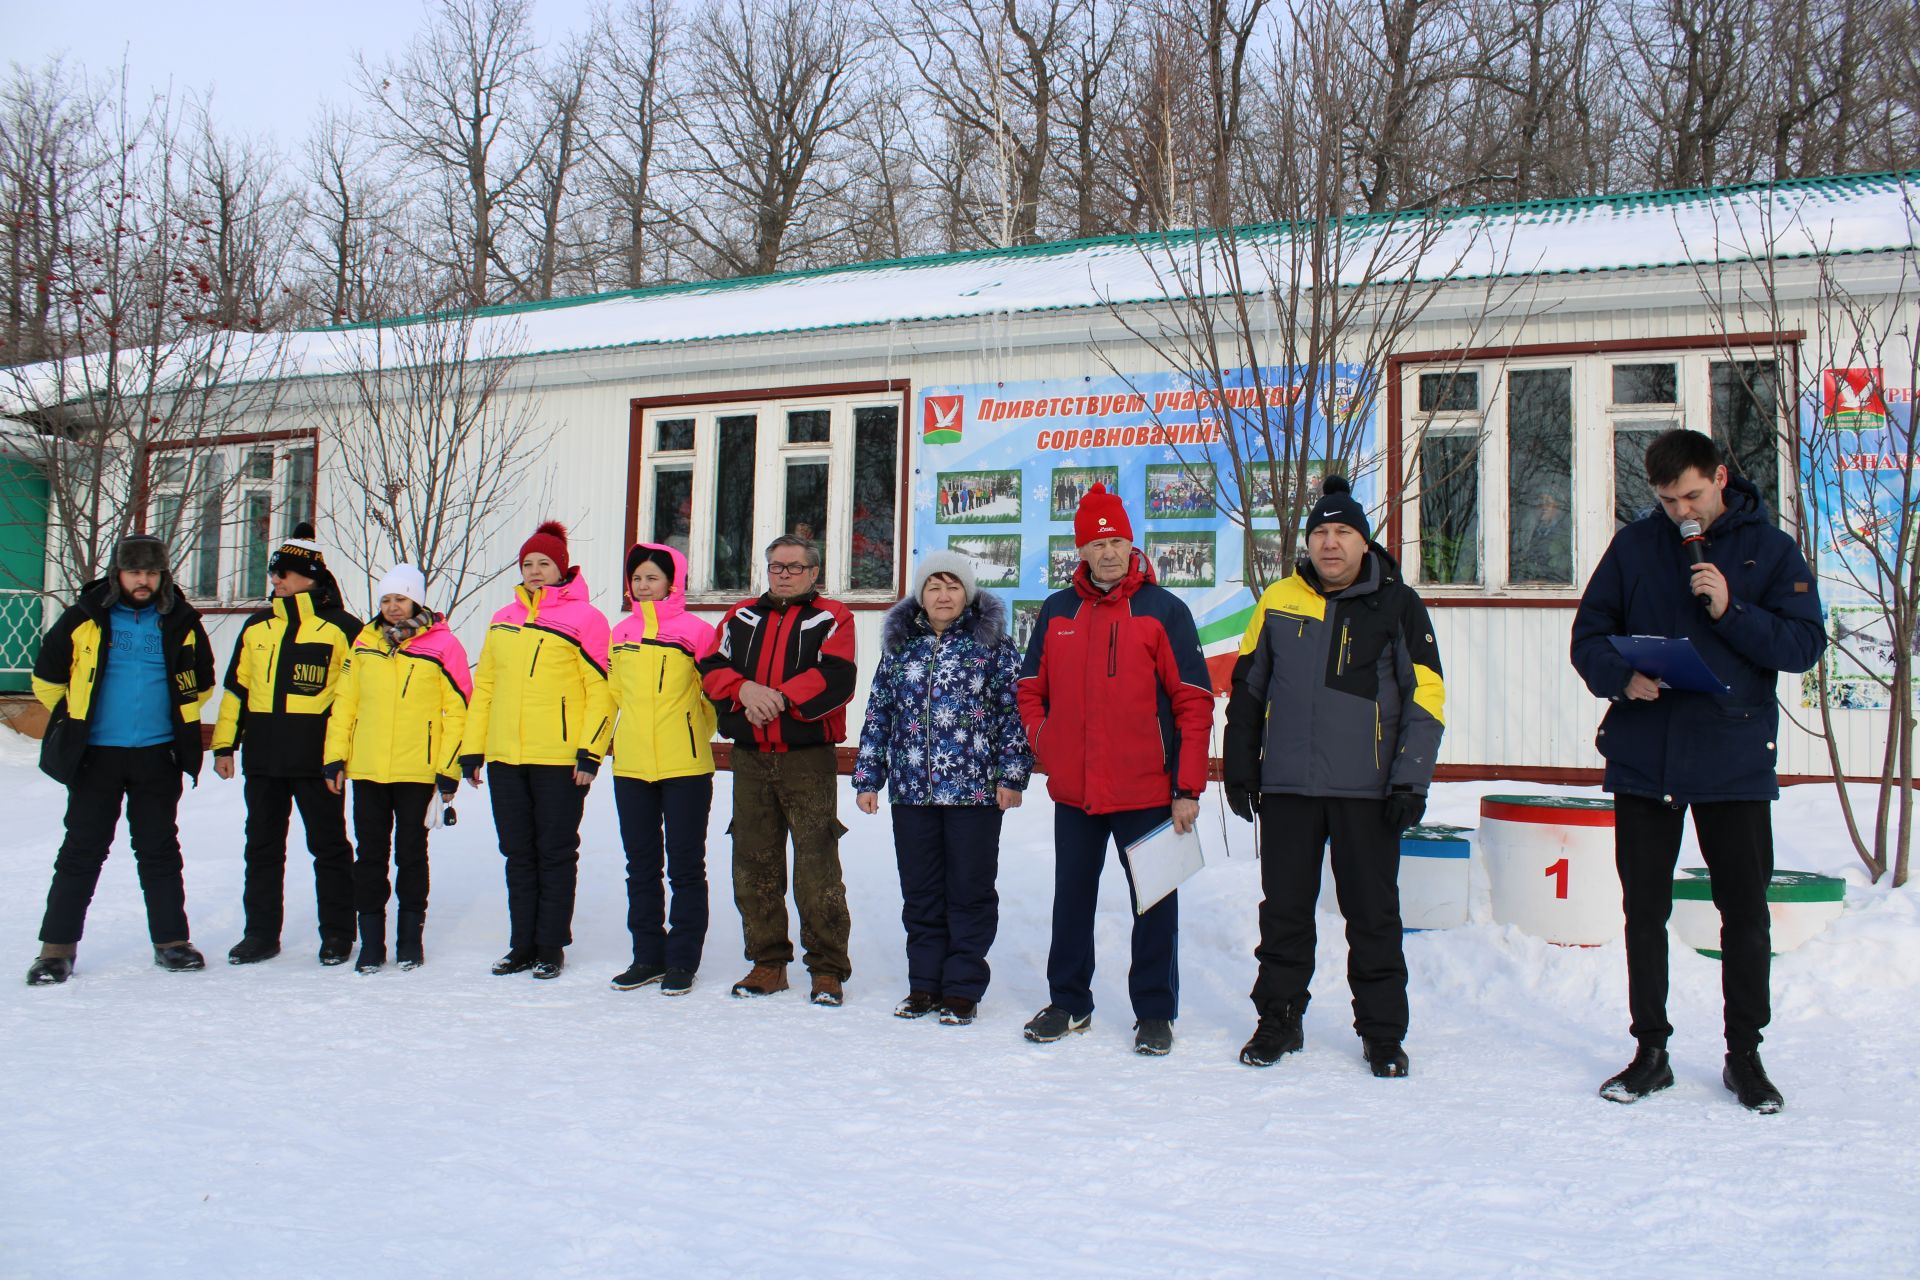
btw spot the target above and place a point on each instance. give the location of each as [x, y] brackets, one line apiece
[1161, 861]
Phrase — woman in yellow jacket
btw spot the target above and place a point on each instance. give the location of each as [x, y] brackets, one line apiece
[399, 714]
[662, 768]
[540, 720]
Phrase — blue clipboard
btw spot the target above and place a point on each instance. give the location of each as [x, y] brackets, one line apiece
[1675, 663]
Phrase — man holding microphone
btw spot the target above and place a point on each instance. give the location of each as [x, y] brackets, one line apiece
[1739, 589]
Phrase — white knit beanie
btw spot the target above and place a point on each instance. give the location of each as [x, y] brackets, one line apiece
[403, 580]
[951, 563]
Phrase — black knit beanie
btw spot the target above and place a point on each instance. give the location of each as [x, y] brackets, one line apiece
[1337, 505]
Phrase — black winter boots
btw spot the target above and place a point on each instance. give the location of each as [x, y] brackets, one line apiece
[408, 947]
[373, 942]
[1649, 1072]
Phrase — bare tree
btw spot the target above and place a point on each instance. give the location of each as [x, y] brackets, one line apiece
[772, 90]
[435, 445]
[1854, 503]
[353, 235]
[1689, 68]
[450, 106]
[543, 212]
[240, 216]
[637, 98]
[53, 168]
[153, 362]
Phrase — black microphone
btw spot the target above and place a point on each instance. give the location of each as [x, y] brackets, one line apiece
[1694, 540]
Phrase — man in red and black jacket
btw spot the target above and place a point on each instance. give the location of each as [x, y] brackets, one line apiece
[1118, 706]
[781, 678]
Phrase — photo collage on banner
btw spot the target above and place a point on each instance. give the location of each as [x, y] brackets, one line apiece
[1001, 469]
[1861, 477]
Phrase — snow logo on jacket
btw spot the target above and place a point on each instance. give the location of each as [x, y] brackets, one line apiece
[1336, 695]
[1103, 666]
[943, 716]
[540, 688]
[665, 724]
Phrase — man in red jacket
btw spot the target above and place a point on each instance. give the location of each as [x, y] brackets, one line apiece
[1111, 655]
[781, 679]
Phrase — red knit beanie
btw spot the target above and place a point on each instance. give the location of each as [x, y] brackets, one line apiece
[1100, 516]
[549, 540]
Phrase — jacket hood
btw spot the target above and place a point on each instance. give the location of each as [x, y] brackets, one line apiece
[1139, 572]
[572, 590]
[1745, 506]
[984, 621]
[676, 598]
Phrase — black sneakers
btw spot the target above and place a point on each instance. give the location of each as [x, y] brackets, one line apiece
[49, 971]
[517, 960]
[677, 982]
[638, 975]
[335, 948]
[1387, 1059]
[252, 950]
[1274, 1037]
[181, 957]
[918, 1004]
[1054, 1023]
[1153, 1037]
[1649, 1072]
[1747, 1080]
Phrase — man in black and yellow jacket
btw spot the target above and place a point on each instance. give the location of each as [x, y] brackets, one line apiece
[124, 673]
[1333, 728]
[279, 689]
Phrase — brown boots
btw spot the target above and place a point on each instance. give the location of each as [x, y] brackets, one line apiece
[763, 980]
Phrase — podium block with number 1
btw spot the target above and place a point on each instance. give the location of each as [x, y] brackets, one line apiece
[1550, 867]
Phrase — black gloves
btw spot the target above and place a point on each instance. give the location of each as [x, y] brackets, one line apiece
[1244, 801]
[1405, 808]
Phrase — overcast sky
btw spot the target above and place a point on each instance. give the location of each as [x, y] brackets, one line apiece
[269, 66]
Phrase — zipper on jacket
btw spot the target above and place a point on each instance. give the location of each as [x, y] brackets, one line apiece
[1376, 735]
[662, 686]
[563, 720]
[1113, 650]
[1340, 659]
[536, 655]
[692, 744]
[406, 682]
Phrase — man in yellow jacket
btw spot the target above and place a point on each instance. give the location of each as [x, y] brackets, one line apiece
[280, 686]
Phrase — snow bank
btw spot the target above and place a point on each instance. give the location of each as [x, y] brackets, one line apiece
[288, 1119]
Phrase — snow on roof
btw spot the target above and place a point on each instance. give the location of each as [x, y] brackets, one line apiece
[1869, 213]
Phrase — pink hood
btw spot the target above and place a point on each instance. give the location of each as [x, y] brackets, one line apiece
[438, 644]
[665, 620]
[565, 611]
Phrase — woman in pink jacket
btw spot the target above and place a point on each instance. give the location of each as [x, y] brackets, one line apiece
[662, 768]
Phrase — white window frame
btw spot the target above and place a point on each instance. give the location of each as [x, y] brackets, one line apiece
[1595, 418]
[235, 488]
[772, 453]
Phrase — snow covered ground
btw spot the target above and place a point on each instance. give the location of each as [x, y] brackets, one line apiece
[291, 1120]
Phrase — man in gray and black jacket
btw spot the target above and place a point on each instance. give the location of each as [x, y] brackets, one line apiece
[1333, 728]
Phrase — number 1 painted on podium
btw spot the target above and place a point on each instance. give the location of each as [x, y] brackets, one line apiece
[1559, 871]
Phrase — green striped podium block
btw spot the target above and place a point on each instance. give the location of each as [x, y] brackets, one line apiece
[1801, 903]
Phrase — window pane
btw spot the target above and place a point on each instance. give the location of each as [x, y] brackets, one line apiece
[1450, 509]
[253, 546]
[1645, 384]
[876, 441]
[672, 507]
[170, 469]
[296, 494]
[733, 504]
[1746, 424]
[1540, 475]
[673, 434]
[808, 426]
[206, 537]
[258, 465]
[1457, 392]
[806, 495]
[1633, 496]
[166, 526]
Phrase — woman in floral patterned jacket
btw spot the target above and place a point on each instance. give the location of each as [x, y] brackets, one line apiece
[943, 733]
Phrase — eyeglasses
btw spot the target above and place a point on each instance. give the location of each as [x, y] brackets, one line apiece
[787, 569]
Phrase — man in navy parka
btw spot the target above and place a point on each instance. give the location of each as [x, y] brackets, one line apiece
[1668, 750]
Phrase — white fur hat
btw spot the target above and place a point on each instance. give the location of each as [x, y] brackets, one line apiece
[403, 580]
[951, 563]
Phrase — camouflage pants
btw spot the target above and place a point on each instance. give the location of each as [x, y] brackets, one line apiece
[777, 793]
